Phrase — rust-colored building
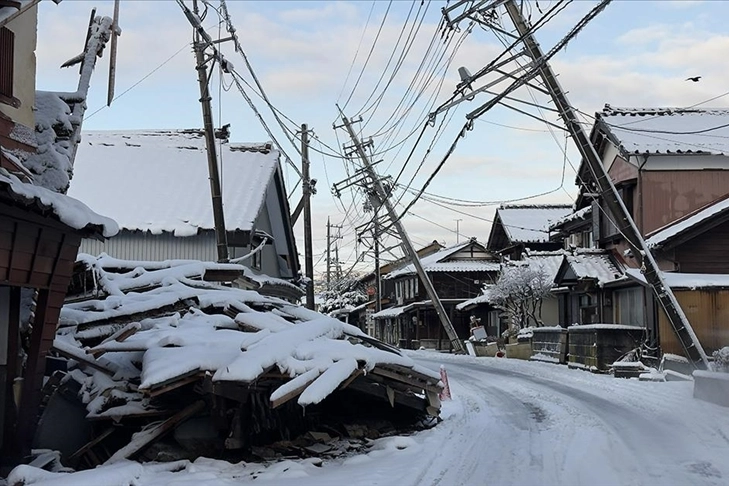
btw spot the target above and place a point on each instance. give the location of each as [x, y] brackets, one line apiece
[671, 168]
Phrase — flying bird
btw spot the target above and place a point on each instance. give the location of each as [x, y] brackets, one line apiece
[695, 79]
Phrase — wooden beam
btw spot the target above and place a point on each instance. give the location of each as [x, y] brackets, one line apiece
[142, 439]
[357, 373]
[405, 379]
[87, 447]
[293, 393]
[174, 383]
[120, 336]
[84, 360]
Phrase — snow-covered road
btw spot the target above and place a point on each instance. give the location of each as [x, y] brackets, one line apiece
[534, 423]
[510, 422]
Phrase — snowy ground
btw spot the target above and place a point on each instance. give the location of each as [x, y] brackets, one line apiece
[510, 423]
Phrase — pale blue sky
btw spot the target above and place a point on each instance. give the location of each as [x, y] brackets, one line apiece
[634, 53]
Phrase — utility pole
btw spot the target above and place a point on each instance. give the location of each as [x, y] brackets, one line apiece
[623, 220]
[215, 191]
[307, 189]
[458, 230]
[381, 195]
[378, 276]
[329, 253]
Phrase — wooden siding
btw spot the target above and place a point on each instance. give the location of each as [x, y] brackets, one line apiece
[706, 253]
[708, 313]
[668, 195]
[621, 171]
[36, 252]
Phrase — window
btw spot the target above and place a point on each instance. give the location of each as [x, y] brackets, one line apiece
[7, 49]
[630, 307]
[256, 260]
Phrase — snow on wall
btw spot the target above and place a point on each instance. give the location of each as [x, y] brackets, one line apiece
[158, 181]
[69, 211]
[668, 130]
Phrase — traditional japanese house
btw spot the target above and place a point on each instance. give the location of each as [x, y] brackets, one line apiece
[458, 273]
[674, 186]
[156, 185]
[520, 226]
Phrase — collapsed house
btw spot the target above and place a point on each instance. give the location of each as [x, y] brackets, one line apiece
[153, 345]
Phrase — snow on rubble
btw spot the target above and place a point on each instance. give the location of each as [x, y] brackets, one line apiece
[159, 340]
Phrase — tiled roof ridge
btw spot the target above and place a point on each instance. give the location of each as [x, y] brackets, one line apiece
[535, 206]
[609, 110]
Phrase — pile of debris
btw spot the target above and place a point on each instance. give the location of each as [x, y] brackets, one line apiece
[170, 363]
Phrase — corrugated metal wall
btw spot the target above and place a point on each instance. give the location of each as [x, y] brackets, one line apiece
[708, 313]
[145, 246]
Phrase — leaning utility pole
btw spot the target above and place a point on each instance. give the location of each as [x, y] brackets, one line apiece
[623, 220]
[215, 191]
[381, 196]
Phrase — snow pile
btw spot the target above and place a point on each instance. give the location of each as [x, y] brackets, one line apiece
[150, 328]
[52, 164]
[721, 359]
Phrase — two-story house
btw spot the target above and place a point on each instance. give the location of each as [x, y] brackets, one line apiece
[671, 168]
[458, 273]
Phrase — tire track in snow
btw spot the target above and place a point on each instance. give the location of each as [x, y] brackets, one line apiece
[549, 432]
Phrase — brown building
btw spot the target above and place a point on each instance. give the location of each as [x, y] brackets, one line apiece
[671, 168]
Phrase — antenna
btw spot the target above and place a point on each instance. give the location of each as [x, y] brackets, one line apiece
[115, 32]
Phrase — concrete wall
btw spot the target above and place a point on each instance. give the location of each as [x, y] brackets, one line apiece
[25, 29]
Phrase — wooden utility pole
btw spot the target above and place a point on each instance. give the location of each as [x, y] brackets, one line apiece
[329, 254]
[308, 248]
[378, 276]
[215, 191]
[382, 198]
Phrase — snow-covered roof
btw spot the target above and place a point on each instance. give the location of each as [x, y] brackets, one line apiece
[158, 181]
[484, 298]
[685, 280]
[436, 262]
[530, 223]
[668, 130]
[549, 262]
[389, 313]
[68, 210]
[579, 215]
[662, 235]
[594, 264]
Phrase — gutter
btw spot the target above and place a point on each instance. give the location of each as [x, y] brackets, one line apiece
[23, 8]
